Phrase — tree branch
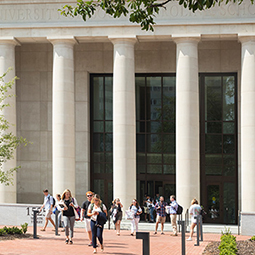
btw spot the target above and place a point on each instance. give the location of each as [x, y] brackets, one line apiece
[161, 4]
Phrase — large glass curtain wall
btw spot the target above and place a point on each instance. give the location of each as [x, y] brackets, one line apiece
[218, 106]
[155, 115]
[155, 127]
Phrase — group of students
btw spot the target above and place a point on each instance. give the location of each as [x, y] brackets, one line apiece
[94, 213]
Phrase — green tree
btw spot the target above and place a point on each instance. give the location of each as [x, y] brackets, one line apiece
[142, 12]
[8, 141]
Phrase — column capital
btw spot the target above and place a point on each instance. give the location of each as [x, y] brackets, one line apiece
[62, 40]
[130, 39]
[9, 40]
[243, 38]
[186, 38]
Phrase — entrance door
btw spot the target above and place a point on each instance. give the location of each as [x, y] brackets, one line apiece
[152, 187]
[104, 188]
[218, 147]
[220, 202]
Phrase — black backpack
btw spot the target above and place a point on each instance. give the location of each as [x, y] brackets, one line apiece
[179, 209]
[54, 201]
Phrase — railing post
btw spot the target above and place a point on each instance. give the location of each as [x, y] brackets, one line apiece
[56, 222]
[145, 236]
[109, 220]
[197, 218]
[182, 224]
[201, 227]
[35, 223]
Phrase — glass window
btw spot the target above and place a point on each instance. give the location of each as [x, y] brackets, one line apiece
[108, 97]
[228, 98]
[213, 98]
[213, 143]
[98, 98]
[153, 98]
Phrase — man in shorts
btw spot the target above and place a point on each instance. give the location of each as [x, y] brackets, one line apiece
[48, 205]
[85, 217]
[161, 214]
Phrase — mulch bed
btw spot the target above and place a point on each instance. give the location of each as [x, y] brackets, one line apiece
[244, 248]
[12, 237]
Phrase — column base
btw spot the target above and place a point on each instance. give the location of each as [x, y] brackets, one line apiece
[247, 223]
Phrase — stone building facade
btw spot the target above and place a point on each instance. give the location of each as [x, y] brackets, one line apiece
[125, 112]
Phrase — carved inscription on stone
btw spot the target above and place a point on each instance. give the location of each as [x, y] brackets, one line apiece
[37, 14]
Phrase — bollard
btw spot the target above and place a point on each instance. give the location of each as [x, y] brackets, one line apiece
[183, 230]
[35, 223]
[201, 227]
[145, 236]
[56, 222]
[109, 220]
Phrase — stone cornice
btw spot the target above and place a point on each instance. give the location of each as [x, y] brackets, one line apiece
[9, 40]
[62, 39]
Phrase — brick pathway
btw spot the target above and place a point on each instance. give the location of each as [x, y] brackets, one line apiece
[48, 243]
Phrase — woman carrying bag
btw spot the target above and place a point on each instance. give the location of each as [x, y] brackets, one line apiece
[68, 207]
[136, 210]
[98, 213]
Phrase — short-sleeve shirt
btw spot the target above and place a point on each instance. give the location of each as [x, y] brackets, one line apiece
[48, 201]
[173, 207]
[194, 210]
[85, 206]
[70, 211]
[135, 210]
[98, 209]
[162, 210]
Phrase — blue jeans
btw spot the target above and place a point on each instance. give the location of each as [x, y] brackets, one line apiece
[151, 213]
[97, 232]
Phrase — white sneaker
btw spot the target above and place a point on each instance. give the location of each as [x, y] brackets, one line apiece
[189, 239]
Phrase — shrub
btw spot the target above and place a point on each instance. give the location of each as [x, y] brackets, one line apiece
[2, 232]
[24, 227]
[253, 238]
[228, 243]
[12, 230]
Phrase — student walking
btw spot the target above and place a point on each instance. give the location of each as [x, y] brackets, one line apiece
[85, 217]
[194, 210]
[173, 214]
[67, 206]
[136, 210]
[97, 211]
[117, 214]
[161, 214]
[58, 200]
[48, 204]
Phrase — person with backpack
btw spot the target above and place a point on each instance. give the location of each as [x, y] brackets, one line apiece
[137, 211]
[84, 215]
[173, 214]
[194, 210]
[68, 207]
[97, 212]
[49, 203]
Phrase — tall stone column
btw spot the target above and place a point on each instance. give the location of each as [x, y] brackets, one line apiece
[124, 133]
[187, 121]
[63, 115]
[248, 124]
[7, 60]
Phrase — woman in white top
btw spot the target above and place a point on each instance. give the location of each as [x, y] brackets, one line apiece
[194, 210]
[67, 205]
[94, 209]
[136, 210]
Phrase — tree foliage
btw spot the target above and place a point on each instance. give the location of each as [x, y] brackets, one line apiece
[142, 12]
[8, 141]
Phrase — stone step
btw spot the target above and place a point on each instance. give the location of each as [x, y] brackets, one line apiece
[144, 226]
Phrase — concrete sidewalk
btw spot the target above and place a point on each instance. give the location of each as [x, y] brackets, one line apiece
[48, 243]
